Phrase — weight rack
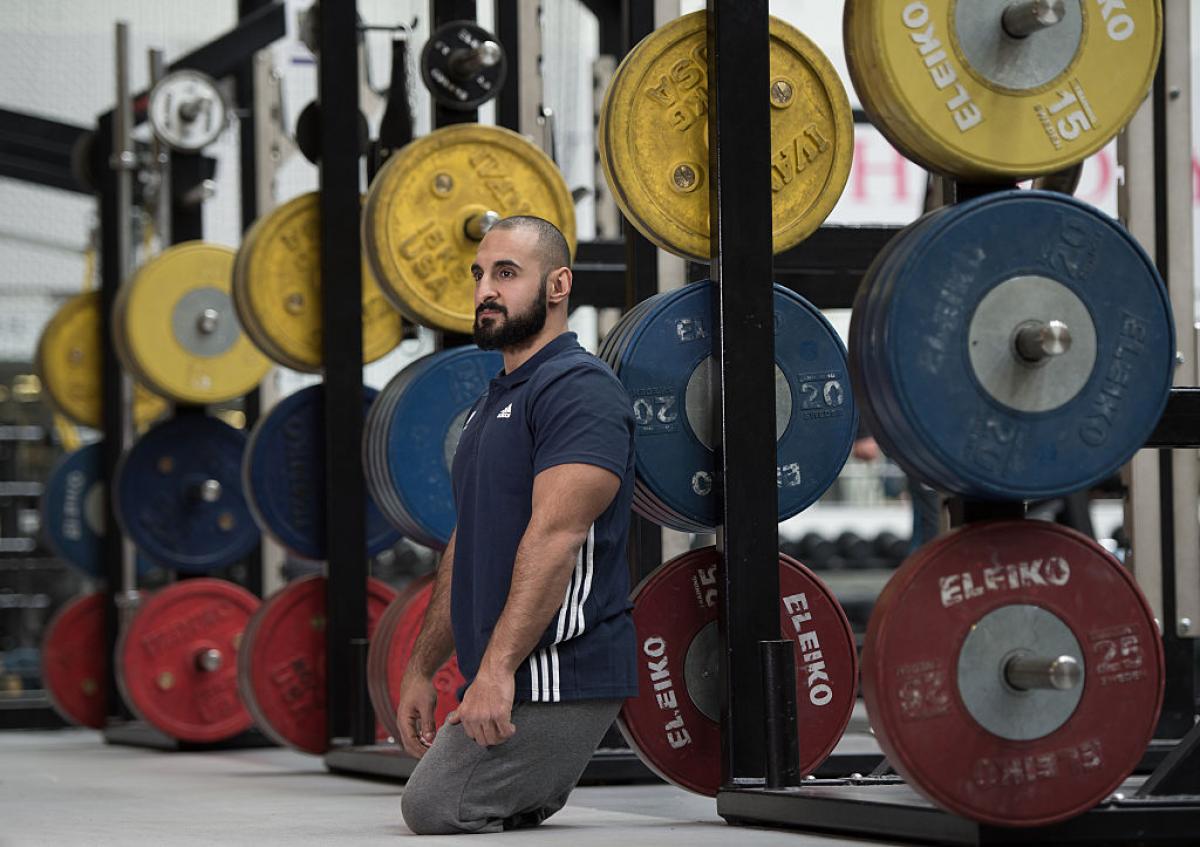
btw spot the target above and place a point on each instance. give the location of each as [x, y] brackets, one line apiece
[615, 274]
[1165, 808]
[260, 22]
[608, 274]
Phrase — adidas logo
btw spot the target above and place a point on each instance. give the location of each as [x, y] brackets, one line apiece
[506, 412]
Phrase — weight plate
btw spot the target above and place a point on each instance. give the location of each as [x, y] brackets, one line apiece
[281, 662]
[75, 662]
[1015, 428]
[415, 224]
[674, 722]
[283, 476]
[393, 649]
[665, 365]
[413, 441]
[463, 65]
[179, 496]
[187, 111]
[67, 362]
[72, 508]
[971, 100]
[943, 648]
[653, 136]
[277, 290]
[176, 327]
[177, 660]
[377, 654]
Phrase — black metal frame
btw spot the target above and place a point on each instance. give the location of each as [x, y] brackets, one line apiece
[39, 150]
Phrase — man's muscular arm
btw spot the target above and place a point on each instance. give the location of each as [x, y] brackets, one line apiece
[434, 644]
[567, 499]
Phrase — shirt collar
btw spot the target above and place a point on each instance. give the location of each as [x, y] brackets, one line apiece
[552, 349]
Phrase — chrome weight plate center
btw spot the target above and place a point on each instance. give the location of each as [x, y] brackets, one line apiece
[1020, 45]
[204, 322]
[698, 403]
[998, 667]
[1032, 344]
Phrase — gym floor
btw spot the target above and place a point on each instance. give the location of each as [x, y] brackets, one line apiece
[69, 787]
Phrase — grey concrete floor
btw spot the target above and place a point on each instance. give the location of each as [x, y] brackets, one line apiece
[70, 788]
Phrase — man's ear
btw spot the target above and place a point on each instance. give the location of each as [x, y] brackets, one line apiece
[558, 286]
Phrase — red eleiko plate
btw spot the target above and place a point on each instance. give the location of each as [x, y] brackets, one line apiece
[674, 722]
[281, 662]
[75, 663]
[177, 660]
[390, 651]
[939, 658]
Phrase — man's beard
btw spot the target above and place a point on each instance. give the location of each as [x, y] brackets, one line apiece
[511, 332]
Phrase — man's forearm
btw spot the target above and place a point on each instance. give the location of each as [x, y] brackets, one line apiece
[541, 572]
[435, 642]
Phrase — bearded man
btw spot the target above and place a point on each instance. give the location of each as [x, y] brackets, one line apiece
[532, 590]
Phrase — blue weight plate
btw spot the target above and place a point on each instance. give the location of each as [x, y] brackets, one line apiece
[283, 477]
[872, 388]
[422, 429]
[375, 451]
[988, 425]
[72, 508]
[670, 351]
[164, 501]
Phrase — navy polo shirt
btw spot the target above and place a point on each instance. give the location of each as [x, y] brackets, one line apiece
[562, 406]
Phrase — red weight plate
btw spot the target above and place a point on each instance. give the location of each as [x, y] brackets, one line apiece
[75, 663]
[399, 643]
[377, 656]
[947, 714]
[281, 662]
[673, 723]
[177, 660]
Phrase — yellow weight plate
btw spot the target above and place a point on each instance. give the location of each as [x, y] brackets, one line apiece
[420, 209]
[277, 289]
[176, 327]
[970, 100]
[68, 363]
[865, 78]
[653, 137]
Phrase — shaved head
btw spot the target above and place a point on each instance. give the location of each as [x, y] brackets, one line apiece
[552, 249]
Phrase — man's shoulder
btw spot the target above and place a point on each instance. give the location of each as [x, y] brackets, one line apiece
[572, 368]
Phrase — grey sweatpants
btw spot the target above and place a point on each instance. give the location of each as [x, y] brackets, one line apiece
[459, 786]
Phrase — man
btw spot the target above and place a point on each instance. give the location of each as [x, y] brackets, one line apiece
[532, 590]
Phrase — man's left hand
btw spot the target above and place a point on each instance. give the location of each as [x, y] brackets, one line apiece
[486, 710]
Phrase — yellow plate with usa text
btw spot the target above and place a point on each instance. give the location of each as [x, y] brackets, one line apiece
[430, 204]
[653, 136]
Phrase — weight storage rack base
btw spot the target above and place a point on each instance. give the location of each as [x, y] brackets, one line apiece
[887, 808]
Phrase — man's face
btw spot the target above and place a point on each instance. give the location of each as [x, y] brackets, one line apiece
[510, 289]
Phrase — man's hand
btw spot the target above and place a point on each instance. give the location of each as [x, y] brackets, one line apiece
[415, 713]
[486, 710]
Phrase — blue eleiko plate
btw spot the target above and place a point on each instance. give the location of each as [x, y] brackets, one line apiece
[158, 498]
[670, 347]
[72, 509]
[283, 474]
[957, 433]
[423, 427]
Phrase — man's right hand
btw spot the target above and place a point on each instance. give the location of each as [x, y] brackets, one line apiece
[415, 713]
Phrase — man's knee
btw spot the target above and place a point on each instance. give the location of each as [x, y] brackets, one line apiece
[427, 811]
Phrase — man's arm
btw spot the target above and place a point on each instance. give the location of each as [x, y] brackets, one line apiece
[434, 644]
[567, 499]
